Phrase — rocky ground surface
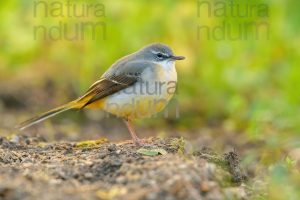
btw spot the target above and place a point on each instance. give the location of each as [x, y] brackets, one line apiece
[32, 168]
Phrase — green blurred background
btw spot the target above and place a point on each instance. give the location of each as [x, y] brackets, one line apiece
[237, 88]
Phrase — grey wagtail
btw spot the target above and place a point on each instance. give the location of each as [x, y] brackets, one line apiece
[135, 86]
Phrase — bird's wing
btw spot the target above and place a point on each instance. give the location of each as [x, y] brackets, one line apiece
[114, 80]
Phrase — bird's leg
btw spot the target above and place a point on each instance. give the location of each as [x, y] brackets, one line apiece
[136, 140]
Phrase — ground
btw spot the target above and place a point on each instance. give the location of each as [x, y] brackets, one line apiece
[32, 168]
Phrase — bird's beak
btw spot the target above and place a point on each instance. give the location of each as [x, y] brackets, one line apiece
[177, 57]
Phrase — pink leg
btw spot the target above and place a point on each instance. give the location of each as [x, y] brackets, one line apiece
[136, 140]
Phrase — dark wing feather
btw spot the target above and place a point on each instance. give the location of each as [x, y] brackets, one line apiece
[107, 86]
[121, 75]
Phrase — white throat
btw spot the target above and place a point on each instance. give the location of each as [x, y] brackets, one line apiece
[167, 65]
[169, 69]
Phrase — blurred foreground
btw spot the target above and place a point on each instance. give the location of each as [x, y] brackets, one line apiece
[101, 170]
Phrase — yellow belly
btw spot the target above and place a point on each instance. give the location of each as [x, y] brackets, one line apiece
[139, 107]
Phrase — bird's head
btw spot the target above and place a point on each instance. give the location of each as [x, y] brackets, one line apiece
[158, 52]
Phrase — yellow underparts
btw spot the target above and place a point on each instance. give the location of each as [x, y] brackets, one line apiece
[137, 108]
[96, 104]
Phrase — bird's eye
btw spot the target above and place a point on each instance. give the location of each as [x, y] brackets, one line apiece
[160, 55]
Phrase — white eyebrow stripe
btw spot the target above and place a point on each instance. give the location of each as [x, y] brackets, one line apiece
[156, 52]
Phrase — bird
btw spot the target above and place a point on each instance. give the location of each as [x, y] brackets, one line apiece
[136, 86]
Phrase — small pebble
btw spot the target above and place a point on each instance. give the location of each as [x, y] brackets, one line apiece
[15, 139]
[112, 147]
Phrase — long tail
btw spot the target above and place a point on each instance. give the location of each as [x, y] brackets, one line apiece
[46, 115]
